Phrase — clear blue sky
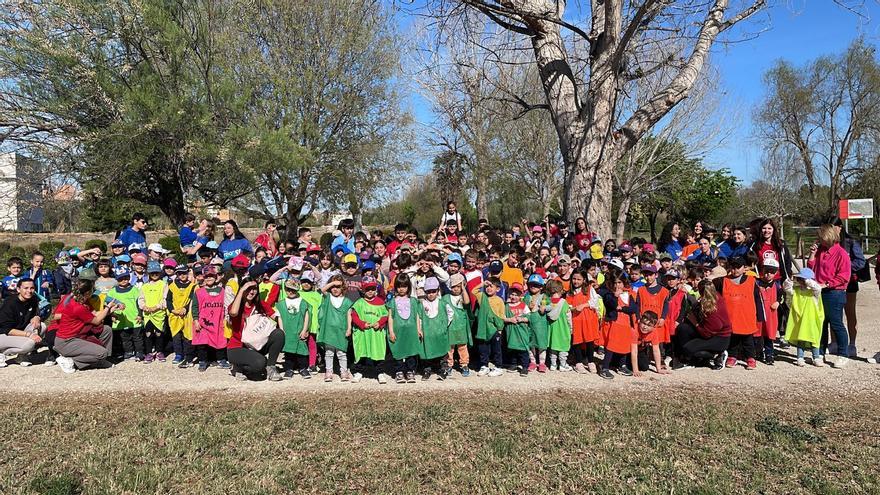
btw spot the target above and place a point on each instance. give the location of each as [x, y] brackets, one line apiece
[794, 30]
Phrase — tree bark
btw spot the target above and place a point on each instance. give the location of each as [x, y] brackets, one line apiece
[622, 212]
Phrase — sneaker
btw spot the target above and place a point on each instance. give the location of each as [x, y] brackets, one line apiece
[591, 367]
[524, 372]
[495, 372]
[148, 358]
[426, 374]
[483, 371]
[272, 374]
[50, 361]
[139, 359]
[128, 356]
[564, 367]
[344, 375]
[24, 360]
[782, 343]
[667, 361]
[224, 365]
[328, 377]
[874, 359]
[2, 360]
[314, 369]
[184, 364]
[580, 368]
[800, 362]
[852, 351]
[542, 368]
[533, 366]
[623, 370]
[681, 366]
[177, 359]
[382, 378]
[731, 362]
[410, 377]
[443, 374]
[288, 374]
[203, 366]
[840, 362]
[305, 373]
[768, 359]
[160, 356]
[356, 377]
[399, 378]
[717, 364]
[606, 375]
[750, 364]
[818, 362]
[465, 371]
[65, 363]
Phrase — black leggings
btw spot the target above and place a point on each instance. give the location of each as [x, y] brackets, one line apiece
[689, 344]
[295, 361]
[406, 365]
[583, 353]
[613, 360]
[207, 353]
[155, 339]
[742, 346]
[253, 364]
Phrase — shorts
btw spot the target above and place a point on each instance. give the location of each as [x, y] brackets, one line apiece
[853, 287]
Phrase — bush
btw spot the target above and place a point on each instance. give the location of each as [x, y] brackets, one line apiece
[4, 248]
[172, 243]
[326, 240]
[51, 248]
[96, 243]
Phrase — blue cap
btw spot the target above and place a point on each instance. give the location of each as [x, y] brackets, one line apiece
[122, 273]
[212, 245]
[123, 258]
[806, 274]
[454, 257]
[73, 252]
[154, 267]
[536, 279]
[368, 265]
[117, 243]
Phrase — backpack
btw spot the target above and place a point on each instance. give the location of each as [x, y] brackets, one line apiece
[863, 274]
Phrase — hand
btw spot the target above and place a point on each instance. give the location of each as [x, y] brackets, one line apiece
[139, 320]
[663, 371]
[248, 285]
[637, 373]
[304, 335]
[118, 307]
[813, 248]
[774, 305]
[36, 338]
[45, 285]
[392, 337]
[196, 327]
[348, 333]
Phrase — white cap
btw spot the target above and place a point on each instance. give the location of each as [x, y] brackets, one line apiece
[771, 263]
[156, 247]
[616, 263]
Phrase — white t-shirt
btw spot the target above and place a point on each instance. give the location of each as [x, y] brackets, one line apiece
[450, 216]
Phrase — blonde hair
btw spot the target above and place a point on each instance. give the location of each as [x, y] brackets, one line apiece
[828, 235]
[708, 297]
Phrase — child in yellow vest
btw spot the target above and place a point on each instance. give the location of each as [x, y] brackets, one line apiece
[152, 304]
[180, 320]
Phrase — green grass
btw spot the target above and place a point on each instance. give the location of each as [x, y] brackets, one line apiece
[699, 442]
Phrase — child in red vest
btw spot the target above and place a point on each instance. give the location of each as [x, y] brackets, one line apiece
[771, 296]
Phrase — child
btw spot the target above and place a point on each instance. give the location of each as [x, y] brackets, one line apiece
[64, 275]
[539, 328]
[490, 322]
[333, 322]
[9, 284]
[678, 306]
[435, 328]
[560, 327]
[294, 320]
[43, 281]
[404, 329]
[648, 345]
[516, 327]
[806, 314]
[127, 320]
[654, 297]
[584, 303]
[368, 320]
[617, 327]
[106, 280]
[771, 296]
[746, 310]
[313, 298]
[209, 317]
[152, 298]
[180, 321]
[458, 312]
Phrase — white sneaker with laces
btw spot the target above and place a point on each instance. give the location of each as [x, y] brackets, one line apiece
[818, 362]
[840, 362]
[356, 377]
[495, 372]
[483, 371]
[564, 367]
[382, 378]
[800, 362]
[50, 361]
[66, 364]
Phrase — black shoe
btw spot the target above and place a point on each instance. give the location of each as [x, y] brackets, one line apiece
[443, 374]
[426, 375]
[288, 374]
[305, 373]
[623, 370]
[523, 372]
[606, 375]
[399, 378]
[768, 360]
[410, 377]
[717, 365]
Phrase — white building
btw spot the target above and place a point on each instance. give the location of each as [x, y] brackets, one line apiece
[21, 193]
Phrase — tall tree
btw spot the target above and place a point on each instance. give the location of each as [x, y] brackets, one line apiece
[583, 93]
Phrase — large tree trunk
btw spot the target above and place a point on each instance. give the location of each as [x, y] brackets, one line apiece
[622, 212]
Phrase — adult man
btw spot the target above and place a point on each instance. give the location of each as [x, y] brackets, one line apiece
[134, 237]
[20, 326]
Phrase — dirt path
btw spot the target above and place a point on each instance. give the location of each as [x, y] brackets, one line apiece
[781, 379]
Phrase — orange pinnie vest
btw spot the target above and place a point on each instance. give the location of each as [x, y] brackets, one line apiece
[740, 301]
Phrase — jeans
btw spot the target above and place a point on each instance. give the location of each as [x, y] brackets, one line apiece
[834, 302]
[814, 350]
[490, 351]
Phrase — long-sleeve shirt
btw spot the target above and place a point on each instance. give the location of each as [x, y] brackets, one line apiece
[359, 323]
[832, 267]
[716, 324]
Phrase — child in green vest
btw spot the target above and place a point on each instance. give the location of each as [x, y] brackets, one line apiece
[458, 311]
[435, 328]
[313, 298]
[151, 302]
[294, 320]
[404, 329]
[369, 317]
[539, 327]
[334, 321]
[516, 327]
[127, 320]
[490, 321]
[560, 327]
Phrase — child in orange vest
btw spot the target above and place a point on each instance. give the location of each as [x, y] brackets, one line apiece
[654, 297]
[648, 344]
[617, 327]
[746, 309]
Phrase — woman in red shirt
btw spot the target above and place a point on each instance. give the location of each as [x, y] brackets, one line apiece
[831, 264]
[252, 364]
[706, 331]
[81, 338]
[267, 240]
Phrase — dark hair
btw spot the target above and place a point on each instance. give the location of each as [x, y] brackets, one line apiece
[614, 277]
[401, 227]
[346, 223]
[138, 216]
[302, 230]
[666, 236]
[450, 203]
[269, 222]
[189, 217]
[649, 317]
[774, 239]
[83, 291]
[402, 281]
[494, 281]
[236, 233]
[14, 260]
[37, 253]
[25, 279]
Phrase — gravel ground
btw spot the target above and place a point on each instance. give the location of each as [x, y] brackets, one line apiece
[783, 378]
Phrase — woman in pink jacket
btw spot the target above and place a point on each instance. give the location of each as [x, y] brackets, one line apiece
[831, 264]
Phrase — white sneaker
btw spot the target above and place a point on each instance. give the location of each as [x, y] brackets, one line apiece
[840, 362]
[382, 378]
[564, 367]
[66, 364]
[818, 362]
[50, 361]
[852, 351]
[356, 377]
[495, 372]
[874, 359]
[2, 360]
[483, 371]
[667, 361]
[800, 362]
[23, 362]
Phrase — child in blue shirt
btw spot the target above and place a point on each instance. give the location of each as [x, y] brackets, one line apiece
[9, 284]
[43, 281]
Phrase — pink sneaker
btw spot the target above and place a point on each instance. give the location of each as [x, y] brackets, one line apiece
[750, 364]
[533, 366]
[542, 368]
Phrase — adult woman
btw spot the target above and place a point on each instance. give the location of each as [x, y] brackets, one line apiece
[831, 264]
[857, 262]
[249, 363]
[768, 245]
[268, 238]
[669, 240]
[736, 245]
[706, 332]
[705, 253]
[582, 236]
[81, 337]
[234, 242]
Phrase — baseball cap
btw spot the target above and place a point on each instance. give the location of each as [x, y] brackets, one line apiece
[649, 268]
[181, 268]
[198, 267]
[536, 279]
[664, 256]
[616, 263]
[432, 284]
[154, 267]
[157, 248]
[212, 245]
[806, 274]
[295, 263]
[257, 271]
[672, 273]
[292, 283]
[564, 260]
[596, 251]
[625, 248]
[209, 270]
[495, 266]
[240, 261]
[139, 259]
[88, 274]
[770, 263]
[517, 287]
[349, 259]
[117, 243]
[169, 263]
[369, 282]
[717, 272]
[537, 228]
[455, 279]
[123, 258]
[648, 247]
[121, 273]
[313, 247]
[368, 265]
[308, 276]
[73, 252]
[454, 258]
